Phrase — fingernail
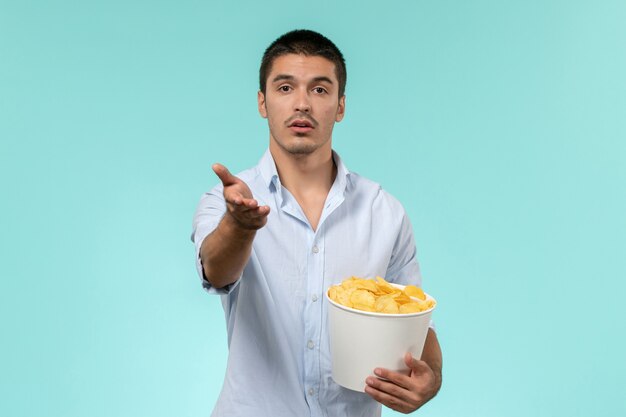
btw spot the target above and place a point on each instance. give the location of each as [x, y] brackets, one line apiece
[369, 381]
[377, 371]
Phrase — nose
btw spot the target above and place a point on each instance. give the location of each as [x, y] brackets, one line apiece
[302, 103]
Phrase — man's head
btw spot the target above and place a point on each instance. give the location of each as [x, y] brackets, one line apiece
[307, 43]
[301, 92]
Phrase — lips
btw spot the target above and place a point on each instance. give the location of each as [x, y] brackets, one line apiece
[301, 123]
[301, 126]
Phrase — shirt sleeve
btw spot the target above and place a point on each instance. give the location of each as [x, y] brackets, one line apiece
[208, 215]
[403, 267]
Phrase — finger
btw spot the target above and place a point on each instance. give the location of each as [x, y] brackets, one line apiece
[261, 211]
[245, 214]
[244, 204]
[224, 174]
[257, 214]
[389, 400]
[417, 366]
[409, 395]
[236, 195]
[253, 205]
[397, 378]
[234, 198]
[408, 359]
[250, 203]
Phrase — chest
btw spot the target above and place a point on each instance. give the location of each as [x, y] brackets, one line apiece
[349, 241]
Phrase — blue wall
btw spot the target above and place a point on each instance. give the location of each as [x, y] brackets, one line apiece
[500, 125]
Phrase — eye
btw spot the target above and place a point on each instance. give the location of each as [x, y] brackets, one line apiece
[284, 88]
[319, 90]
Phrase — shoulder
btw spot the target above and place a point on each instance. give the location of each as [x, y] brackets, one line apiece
[368, 191]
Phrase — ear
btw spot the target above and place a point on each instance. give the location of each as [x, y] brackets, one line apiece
[260, 98]
[341, 109]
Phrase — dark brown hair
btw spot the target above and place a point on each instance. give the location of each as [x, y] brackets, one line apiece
[303, 42]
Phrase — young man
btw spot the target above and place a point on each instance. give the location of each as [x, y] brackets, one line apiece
[273, 238]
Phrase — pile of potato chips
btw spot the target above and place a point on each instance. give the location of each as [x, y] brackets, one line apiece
[379, 296]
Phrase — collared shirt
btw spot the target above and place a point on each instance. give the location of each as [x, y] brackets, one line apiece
[279, 360]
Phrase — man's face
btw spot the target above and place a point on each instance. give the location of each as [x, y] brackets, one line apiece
[301, 103]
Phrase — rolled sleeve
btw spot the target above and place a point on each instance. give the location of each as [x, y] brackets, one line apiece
[207, 217]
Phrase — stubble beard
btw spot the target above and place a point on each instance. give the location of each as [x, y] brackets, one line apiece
[298, 147]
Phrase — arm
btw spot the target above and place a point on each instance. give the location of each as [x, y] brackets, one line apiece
[408, 393]
[433, 357]
[225, 251]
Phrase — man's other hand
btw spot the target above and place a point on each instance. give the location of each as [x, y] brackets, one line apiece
[404, 393]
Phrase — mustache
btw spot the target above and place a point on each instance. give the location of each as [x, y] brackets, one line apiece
[301, 116]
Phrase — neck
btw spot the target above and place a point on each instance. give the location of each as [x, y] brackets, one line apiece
[305, 172]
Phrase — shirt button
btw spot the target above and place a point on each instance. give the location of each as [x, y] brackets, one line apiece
[314, 298]
[315, 249]
[311, 391]
[310, 344]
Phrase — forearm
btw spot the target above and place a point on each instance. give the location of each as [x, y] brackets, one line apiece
[432, 356]
[225, 251]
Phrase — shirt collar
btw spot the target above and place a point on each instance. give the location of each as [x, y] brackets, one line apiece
[269, 173]
[343, 174]
[267, 168]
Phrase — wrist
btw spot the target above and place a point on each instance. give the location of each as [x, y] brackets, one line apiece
[438, 380]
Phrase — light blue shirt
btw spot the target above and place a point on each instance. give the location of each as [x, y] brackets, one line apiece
[279, 360]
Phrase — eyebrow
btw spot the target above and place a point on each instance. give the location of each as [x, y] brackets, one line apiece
[325, 79]
[286, 77]
[281, 77]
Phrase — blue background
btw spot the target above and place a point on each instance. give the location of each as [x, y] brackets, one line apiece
[500, 125]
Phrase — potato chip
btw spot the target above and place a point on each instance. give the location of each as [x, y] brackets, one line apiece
[410, 308]
[367, 284]
[332, 293]
[379, 296]
[350, 283]
[386, 304]
[385, 286]
[362, 298]
[413, 291]
[343, 297]
[401, 298]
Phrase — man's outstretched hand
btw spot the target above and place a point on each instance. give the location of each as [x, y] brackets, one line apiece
[243, 208]
[404, 393]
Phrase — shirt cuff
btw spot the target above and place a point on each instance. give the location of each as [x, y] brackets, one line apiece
[210, 288]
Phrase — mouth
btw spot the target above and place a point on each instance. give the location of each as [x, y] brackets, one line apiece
[301, 126]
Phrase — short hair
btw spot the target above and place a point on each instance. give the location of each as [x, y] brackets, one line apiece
[303, 42]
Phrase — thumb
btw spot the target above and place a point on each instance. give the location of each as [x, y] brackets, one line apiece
[414, 364]
[224, 174]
